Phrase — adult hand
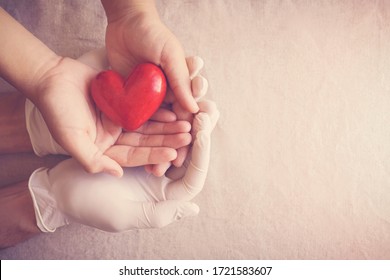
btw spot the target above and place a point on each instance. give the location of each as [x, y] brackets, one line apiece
[66, 193]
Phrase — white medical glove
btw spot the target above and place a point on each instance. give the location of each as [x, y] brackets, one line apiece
[199, 86]
[66, 193]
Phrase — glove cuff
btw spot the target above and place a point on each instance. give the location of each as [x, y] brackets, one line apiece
[47, 214]
[40, 137]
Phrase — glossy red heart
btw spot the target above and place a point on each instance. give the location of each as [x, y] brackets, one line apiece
[131, 102]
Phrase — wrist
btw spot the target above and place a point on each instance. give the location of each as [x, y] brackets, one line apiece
[32, 84]
[24, 59]
[119, 9]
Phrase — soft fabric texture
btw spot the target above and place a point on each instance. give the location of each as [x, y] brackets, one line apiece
[300, 164]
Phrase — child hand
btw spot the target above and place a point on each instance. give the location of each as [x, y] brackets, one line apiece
[79, 129]
[135, 35]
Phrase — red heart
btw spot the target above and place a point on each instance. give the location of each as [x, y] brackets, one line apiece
[131, 102]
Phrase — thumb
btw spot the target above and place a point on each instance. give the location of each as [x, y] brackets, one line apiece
[161, 214]
[91, 157]
[174, 64]
[188, 186]
[109, 166]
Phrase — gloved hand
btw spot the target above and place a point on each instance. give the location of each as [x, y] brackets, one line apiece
[66, 193]
[199, 86]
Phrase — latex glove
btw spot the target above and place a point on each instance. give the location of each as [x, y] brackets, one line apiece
[199, 86]
[153, 143]
[67, 193]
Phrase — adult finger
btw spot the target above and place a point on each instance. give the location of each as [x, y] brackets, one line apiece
[211, 109]
[199, 86]
[182, 115]
[194, 65]
[193, 180]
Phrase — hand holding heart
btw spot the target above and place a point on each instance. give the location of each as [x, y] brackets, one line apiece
[66, 193]
[133, 38]
[83, 132]
[131, 102]
[145, 79]
[96, 142]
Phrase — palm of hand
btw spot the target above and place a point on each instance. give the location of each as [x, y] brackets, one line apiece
[71, 115]
[86, 134]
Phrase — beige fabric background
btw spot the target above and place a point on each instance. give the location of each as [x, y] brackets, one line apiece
[301, 156]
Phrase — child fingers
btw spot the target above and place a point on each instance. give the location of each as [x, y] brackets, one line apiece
[128, 156]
